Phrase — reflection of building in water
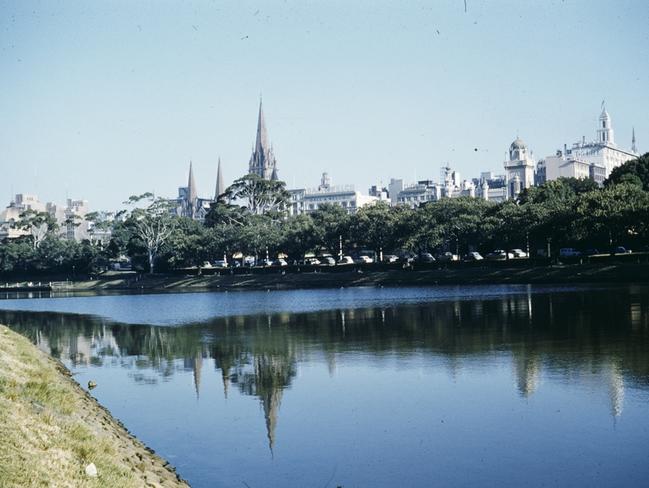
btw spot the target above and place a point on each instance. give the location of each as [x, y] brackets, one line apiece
[527, 368]
[616, 389]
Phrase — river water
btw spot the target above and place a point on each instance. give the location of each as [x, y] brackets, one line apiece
[369, 387]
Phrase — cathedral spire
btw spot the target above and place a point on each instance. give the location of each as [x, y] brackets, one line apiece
[261, 143]
[634, 148]
[191, 186]
[262, 161]
[220, 185]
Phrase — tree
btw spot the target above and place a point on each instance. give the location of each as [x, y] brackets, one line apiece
[152, 225]
[331, 224]
[38, 224]
[298, 236]
[638, 167]
[260, 195]
[374, 226]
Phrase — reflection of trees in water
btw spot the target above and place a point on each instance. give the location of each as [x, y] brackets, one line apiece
[572, 336]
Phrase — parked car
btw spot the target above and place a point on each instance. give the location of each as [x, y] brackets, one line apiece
[346, 260]
[621, 250]
[499, 255]
[206, 264]
[266, 262]
[569, 252]
[390, 258]
[220, 263]
[312, 261]
[591, 252]
[425, 257]
[447, 256]
[249, 261]
[280, 262]
[473, 256]
[518, 253]
[327, 261]
[364, 260]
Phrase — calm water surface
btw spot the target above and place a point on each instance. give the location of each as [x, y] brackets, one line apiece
[440, 386]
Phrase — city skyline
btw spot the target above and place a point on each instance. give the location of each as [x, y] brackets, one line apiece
[108, 101]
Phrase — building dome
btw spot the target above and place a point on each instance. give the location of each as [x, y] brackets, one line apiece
[517, 144]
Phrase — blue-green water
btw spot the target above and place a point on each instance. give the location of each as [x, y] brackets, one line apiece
[440, 386]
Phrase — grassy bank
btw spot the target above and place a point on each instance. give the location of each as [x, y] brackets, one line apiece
[51, 429]
[278, 279]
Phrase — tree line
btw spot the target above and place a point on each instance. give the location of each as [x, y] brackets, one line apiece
[252, 218]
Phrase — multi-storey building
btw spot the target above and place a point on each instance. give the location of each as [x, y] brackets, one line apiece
[310, 199]
[593, 160]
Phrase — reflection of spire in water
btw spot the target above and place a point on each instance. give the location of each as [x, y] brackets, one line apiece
[342, 317]
[616, 390]
[225, 377]
[197, 364]
[529, 301]
[331, 362]
[526, 366]
[270, 378]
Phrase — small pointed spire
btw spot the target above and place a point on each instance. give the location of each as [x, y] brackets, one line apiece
[634, 148]
[274, 176]
[220, 185]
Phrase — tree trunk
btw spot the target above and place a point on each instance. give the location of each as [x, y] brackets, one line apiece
[150, 262]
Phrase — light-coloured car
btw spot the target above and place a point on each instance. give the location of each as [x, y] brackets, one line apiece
[327, 261]
[518, 253]
[312, 261]
[390, 258]
[473, 256]
[346, 260]
[499, 255]
[220, 263]
[280, 262]
[364, 260]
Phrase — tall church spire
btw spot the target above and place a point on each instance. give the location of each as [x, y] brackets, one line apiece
[191, 186]
[634, 148]
[220, 185]
[261, 144]
[262, 161]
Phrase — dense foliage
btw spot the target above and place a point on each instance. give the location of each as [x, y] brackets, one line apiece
[561, 213]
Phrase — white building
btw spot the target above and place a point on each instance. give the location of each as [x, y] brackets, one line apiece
[310, 199]
[519, 169]
[593, 160]
[70, 218]
[425, 191]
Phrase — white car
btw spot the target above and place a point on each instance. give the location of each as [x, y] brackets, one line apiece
[346, 260]
[518, 253]
[364, 260]
[390, 258]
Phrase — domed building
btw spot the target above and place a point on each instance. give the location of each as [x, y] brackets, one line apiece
[519, 168]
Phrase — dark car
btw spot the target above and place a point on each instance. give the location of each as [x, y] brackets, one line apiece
[621, 250]
[425, 257]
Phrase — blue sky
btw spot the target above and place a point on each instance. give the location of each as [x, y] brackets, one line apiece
[101, 100]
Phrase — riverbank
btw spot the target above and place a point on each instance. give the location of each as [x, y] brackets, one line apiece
[279, 279]
[51, 430]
